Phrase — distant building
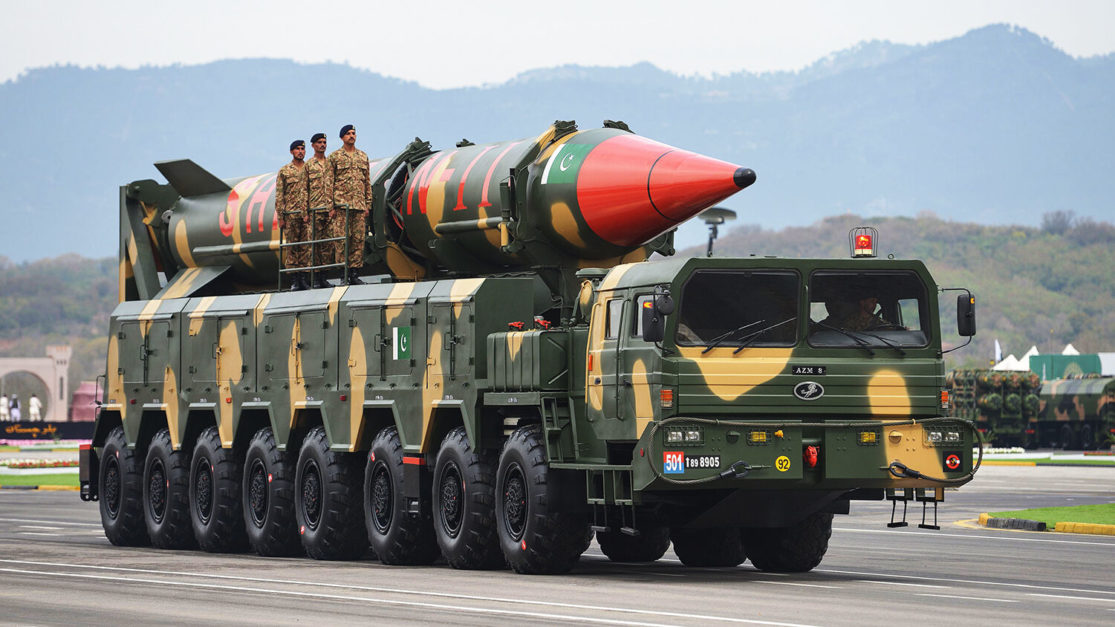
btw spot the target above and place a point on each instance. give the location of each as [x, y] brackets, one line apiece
[82, 406]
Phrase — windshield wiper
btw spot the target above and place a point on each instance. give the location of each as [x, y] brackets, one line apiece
[858, 340]
[757, 334]
[887, 342]
[727, 334]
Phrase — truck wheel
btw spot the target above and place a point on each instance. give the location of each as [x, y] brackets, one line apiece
[534, 535]
[794, 549]
[166, 494]
[268, 497]
[121, 485]
[648, 546]
[718, 546]
[215, 477]
[329, 504]
[396, 535]
[1068, 441]
[465, 505]
[1087, 440]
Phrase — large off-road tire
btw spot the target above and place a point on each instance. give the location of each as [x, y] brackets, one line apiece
[396, 535]
[536, 535]
[648, 546]
[268, 497]
[794, 549]
[120, 481]
[1087, 439]
[464, 504]
[166, 494]
[718, 546]
[216, 475]
[1068, 438]
[329, 508]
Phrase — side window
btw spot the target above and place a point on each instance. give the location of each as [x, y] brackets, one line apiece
[637, 327]
[615, 317]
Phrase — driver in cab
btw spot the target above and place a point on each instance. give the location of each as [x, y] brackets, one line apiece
[856, 311]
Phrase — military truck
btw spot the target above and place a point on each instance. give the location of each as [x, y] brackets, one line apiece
[514, 376]
[1004, 405]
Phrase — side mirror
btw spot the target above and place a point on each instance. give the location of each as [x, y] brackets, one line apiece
[654, 317]
[966, 315]
[654, 324]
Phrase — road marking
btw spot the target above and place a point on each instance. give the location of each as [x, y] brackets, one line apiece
[901, 583]
[950, 580]
[954, 597]
[1065, 596]
[791, 583]
[40, 527]
[514, 601]
[37, 533]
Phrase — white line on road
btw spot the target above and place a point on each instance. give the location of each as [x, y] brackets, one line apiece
[951, 580]
[40, 527]
[1071, 598]
[955, 597]
[900, 583]
[36, 533]
[514, 601]
[791, 583]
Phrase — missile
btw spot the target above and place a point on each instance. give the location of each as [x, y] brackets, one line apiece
[568, 197]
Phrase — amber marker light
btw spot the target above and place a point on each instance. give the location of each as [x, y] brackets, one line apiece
[868, 437]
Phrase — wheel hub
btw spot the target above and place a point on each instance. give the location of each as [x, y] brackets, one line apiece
[381, 497]
[515, 502]
[257, 493]
[311, 494]
[156, 490]
[451, 493]
[203, 490]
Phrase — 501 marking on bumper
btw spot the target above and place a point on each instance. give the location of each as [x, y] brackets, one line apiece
[676, 463]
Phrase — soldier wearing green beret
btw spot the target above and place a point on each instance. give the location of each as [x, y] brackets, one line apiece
[292, 195]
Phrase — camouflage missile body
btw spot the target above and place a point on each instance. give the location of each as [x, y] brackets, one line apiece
[1003, 404]
[517, 345]
[1077, 412]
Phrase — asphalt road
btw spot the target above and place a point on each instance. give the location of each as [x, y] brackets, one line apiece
[57, 568]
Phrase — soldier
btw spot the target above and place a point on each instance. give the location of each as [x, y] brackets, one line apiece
[292, 206]
[321, 206]
[352, 190]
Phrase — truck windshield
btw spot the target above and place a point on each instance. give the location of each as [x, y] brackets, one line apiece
[736, 308]
[867, 310]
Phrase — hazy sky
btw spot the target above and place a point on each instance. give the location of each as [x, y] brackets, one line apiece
[468, 42]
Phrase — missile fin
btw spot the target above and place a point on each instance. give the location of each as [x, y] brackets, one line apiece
[190, 179]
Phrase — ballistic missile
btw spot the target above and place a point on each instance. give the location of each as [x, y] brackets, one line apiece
[569, 198]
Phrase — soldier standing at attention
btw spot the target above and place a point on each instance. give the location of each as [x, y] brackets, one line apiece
[292, 196]
[352, 189]
[321, 206]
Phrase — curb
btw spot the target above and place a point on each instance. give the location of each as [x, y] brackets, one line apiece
[1093, 528]
[986, 520]
[1011, 523]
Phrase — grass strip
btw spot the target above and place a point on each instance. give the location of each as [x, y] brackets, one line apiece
[1094, 514]
[61, 479]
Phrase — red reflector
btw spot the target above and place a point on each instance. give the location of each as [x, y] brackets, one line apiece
[228, 399]
[1029, 432]
[132, 402]
[590, 362]
[811, 455]
[344, 398]
[85, 447]
[415, 461]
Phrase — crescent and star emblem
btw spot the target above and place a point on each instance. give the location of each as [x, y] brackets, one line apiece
[566, 161]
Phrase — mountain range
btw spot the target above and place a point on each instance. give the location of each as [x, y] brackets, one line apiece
[997, 126]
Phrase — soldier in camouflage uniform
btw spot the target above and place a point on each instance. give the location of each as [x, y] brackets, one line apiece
[292, 195]
[321, 206]
[352, 190]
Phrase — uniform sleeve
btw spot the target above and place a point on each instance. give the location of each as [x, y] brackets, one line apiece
[367, 184]
[280, 201]
[329, 178]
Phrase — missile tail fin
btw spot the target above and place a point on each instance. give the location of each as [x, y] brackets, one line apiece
[190, 179]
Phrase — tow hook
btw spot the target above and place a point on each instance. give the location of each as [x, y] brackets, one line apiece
[738, 470]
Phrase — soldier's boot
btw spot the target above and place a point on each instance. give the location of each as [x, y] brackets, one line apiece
[353, 279]
[298, 282]
[319, 281]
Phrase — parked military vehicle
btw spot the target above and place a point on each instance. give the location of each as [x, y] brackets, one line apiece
[1002, 404]
[1077, 412]
[517, 378]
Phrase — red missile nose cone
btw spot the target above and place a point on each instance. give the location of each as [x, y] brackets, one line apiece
[632, 189]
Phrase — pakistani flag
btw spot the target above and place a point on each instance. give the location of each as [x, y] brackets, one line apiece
[400, 343]
[565, 163]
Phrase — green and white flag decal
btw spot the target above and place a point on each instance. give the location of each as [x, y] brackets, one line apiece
[400, 343]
